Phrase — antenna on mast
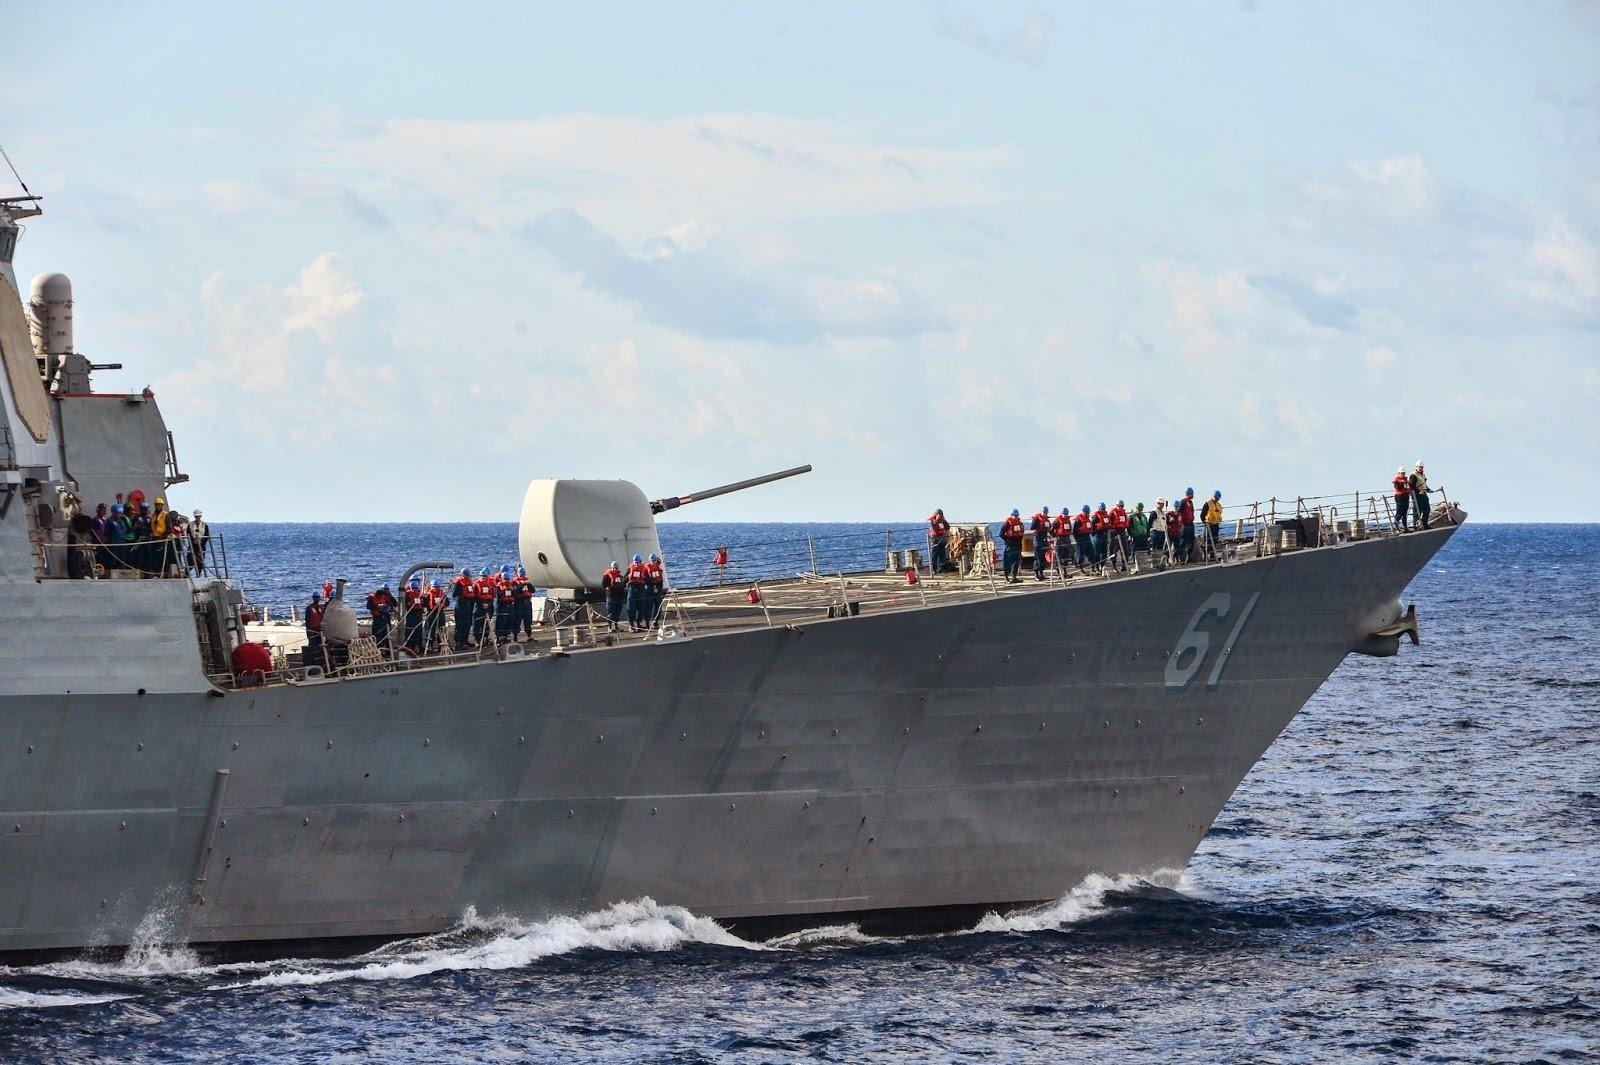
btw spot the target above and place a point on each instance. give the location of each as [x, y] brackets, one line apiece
[27, 198]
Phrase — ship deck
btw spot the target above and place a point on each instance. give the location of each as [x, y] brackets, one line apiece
[803, 597]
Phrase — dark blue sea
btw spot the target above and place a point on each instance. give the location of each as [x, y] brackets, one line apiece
[1412, 872]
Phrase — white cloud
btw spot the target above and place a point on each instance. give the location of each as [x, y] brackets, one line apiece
[712, 290]
[1380, 357]
[640, 176]
[1395, 189]
[1562, 270]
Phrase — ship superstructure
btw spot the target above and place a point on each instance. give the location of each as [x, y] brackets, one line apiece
[847, 743]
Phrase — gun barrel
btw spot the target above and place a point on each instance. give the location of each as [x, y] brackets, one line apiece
[673, 502]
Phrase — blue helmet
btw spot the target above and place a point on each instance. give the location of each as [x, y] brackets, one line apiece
[1217, 494]
[521, 572]
[638, 558]
[484, 572]
[1086, 508]
[1102, 504]
[466, 572]
[505, 571]
[437, 583]
[1189, 491]
[1044, 510]
[416, 582]
[654, 557]
[116, 508]
[1015, 513]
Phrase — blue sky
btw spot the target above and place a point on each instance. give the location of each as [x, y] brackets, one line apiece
[391, 261]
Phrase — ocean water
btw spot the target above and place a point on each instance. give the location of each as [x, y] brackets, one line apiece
[1412, 872]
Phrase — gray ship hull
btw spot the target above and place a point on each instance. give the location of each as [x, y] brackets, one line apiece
[985, 753]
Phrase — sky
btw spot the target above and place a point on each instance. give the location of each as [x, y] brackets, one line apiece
[391, 261]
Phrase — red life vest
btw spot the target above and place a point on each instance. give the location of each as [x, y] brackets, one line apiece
[1060, 527]
[486, 589]
[464, 587]
[314, 614]
[1080, 525]
[1119, 519]
[1186, 510]
[1098, 521]
[611, 580]
[506, 593]
[638, 574]
[1012, 529]
[938, 527]
[655, 575]
[436, 598]
[1402, 486]
[413, 597]
[523, 587]
[1040, 525]
[1174, 524]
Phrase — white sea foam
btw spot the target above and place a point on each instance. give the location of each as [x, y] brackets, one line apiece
[834, 935]
[1082, 903]
[507, 943]
[15, 999]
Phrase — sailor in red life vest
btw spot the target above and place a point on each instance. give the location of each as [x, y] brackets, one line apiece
[380, 607]
[1011, 531]
[485, 589]
[1100, 526]
[505, 608]
[314, 613]
[1082, 532]
[1040, 527]
[466, 597]
[1186, 552]
[616, 587]
[413, 638]
[1402, 498]
[1061, 538]
[638, 579]
[434, 602]
[656, 581]
[938, 542]
[522, 616]
[1121, 543]
[1174, 530]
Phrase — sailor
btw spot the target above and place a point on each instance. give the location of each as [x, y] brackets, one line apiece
[522, 618]
[1061, 538]
[143, 535]
[1139, 528]
[1121, 547]
[1100, 526]
[1158, 532]
[466, 596]
[616, 588]
[484, 592]
[1011, 533]
[434, 603]
[638, 592]
[314, 612]
[97, 524]
[380, 607]
[118, 532]
[1419, 494]
[1039, 525]
[416, 598]
[505, 605]
[1185, 551]
[1174, 532]
[1083, 535]
[1402, 498]
[656, 582]
[199, 541]
[1211, 517]
[938, 542]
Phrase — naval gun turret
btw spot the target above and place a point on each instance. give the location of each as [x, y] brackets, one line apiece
[572, 530]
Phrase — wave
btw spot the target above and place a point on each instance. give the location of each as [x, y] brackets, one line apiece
[12, 998]
[1097, 895]
[507, 943]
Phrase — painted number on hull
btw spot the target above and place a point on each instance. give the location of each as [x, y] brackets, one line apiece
[1184, 663]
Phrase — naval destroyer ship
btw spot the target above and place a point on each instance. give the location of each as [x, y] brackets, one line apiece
[828, 745]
